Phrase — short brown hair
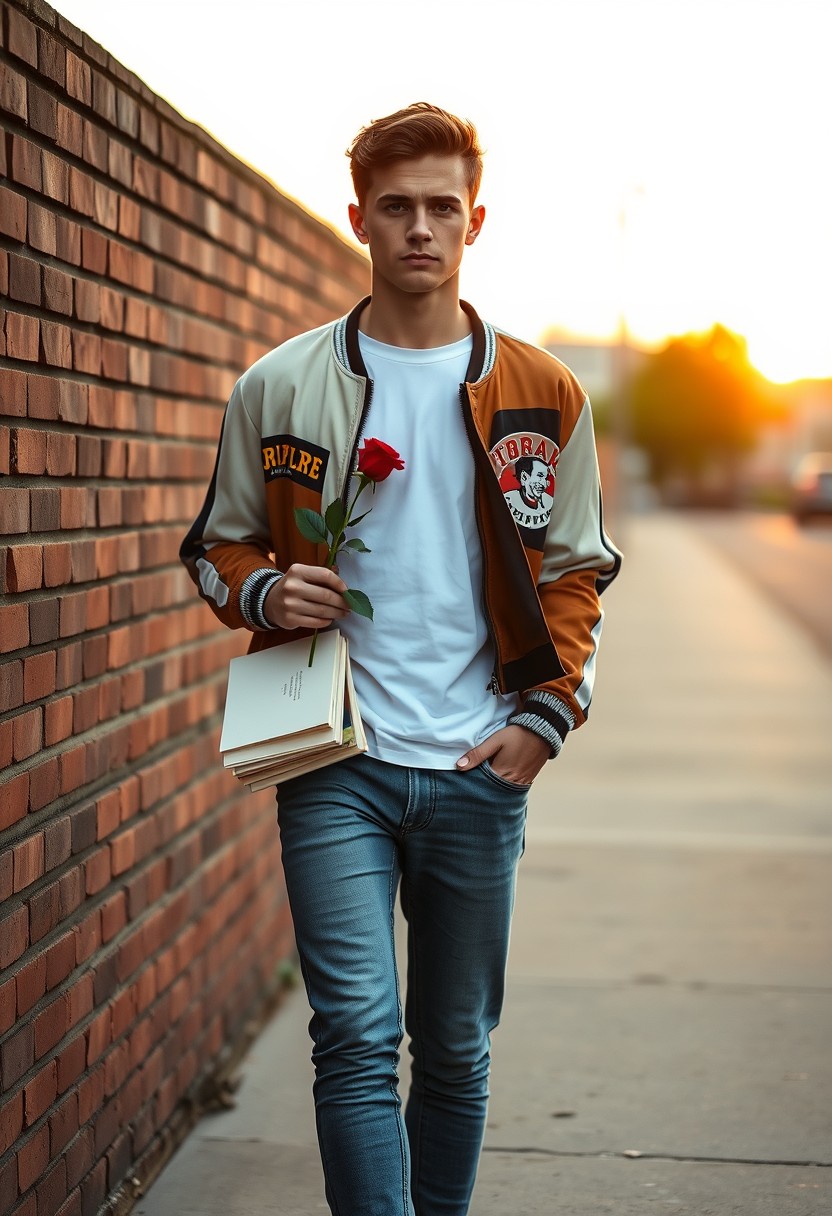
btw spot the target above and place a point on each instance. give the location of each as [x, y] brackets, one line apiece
[418, 130]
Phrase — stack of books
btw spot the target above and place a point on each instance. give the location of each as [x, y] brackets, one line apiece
[284, 718]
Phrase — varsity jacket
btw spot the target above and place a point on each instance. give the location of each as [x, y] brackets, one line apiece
[289, 439]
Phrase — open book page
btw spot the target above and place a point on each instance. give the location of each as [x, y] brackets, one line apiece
[353, 742]
[274, 693]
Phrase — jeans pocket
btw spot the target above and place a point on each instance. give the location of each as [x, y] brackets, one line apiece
[504, 782]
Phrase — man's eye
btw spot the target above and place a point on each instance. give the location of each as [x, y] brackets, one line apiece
[396, 208]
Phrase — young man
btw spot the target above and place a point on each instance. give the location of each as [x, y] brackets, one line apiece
[478, 663]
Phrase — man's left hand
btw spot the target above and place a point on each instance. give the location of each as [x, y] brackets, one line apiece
[513, 752]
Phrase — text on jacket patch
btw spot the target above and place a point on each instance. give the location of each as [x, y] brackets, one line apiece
[297, 459]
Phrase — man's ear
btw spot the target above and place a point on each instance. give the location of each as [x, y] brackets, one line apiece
[475, 224]
[357, 222]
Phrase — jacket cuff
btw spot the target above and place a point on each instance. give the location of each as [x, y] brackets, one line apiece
[546, 715]
[253, 594]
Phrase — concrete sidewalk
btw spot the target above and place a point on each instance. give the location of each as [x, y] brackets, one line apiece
[666, 1039]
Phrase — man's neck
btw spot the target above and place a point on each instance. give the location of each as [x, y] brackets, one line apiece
[417, 321]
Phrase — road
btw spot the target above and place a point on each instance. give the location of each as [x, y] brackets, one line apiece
[793, 565]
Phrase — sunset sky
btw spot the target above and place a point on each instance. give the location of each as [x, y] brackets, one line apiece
[663, 158]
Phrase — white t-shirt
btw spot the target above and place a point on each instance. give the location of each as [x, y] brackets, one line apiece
[423, 665]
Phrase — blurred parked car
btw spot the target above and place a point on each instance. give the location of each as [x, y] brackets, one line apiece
[812, 486]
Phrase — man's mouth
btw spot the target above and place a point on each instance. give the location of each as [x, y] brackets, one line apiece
[419, 259]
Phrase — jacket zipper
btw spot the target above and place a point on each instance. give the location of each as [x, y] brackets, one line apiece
[365, 409]
[493, 684]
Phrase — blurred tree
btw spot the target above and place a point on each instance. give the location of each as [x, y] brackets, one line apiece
[696, 407]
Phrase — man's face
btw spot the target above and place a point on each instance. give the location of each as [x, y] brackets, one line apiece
[534, 483]
[417, 219]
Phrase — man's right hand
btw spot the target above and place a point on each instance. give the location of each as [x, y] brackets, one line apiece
[307, 597]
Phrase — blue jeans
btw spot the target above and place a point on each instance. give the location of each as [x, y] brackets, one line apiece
[350, 833]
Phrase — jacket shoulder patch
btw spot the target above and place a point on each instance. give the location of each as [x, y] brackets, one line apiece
[298, 459]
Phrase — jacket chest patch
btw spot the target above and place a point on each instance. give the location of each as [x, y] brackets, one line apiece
[525, 463]
[298, 459]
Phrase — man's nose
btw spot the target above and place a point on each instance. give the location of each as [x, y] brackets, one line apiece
[419, 229]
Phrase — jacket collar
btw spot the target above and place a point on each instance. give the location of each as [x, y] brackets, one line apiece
[480, 364]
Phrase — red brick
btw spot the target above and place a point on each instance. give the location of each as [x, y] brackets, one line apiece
[6, 744]
[13, 93]
[40, 1093]
[12, 389]
[24, 569]
[14, 936]
[43, 620]
[123, 850]
[13, 214]
[81, 192]
[51, 58]
[31, 984]
[24, 279]
[43, 784]
[57, 291]
[93, 251]
[114, 359]
[14, 626]
[55, 171]
[113, 915]
[14, 804]
[44, 397]
[60, 960]
[63, 1124]
[28, 733]
[58, 725]
[22, 337]
[86, 352]
[28, 451]
[57, 842]
[97, 871]
[78, 79]
[42, 229]
[74, 401]
[87, 301]
[68, 238]
[70, 137]
[56, 340]
[80, 1156]
[71, 894]
[105, 206]
[87, 936]
[14, 511]
[39, 673]
[84, 710]
[91, 1095]
[72, 1206]
[17, 1055]
[33, 1158]
[72, 766]
[112, 309]
[8, 1006]
[43, 112]
[11, 685]
[60, 454]
[71, 1061]
[44, 911]
[51, 1025]
[57, 564]
[26, 163]
[11, 1121]
[22, 41]
[76, 512]
[51, 1191]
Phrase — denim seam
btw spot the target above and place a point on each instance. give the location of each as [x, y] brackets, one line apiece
[391, 893]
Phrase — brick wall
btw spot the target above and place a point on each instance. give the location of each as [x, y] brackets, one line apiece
[143, 921]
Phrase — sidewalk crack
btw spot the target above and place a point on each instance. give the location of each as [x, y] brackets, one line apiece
[529, 1150]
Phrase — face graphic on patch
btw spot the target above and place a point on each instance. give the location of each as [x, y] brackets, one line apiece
[525, 463]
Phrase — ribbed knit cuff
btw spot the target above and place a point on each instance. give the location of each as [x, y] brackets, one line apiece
[548, 717]
[253, 596]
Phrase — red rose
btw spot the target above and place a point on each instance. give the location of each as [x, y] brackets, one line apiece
[377, 460]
